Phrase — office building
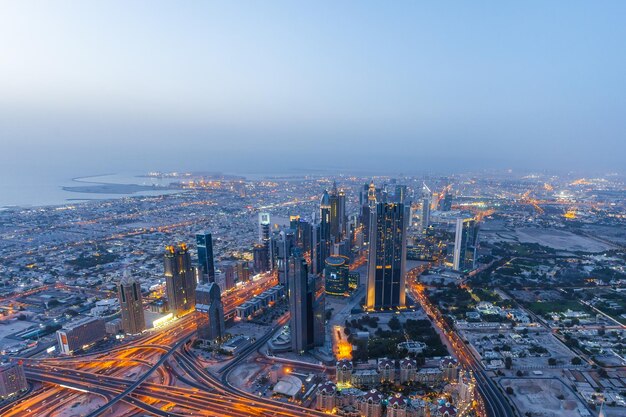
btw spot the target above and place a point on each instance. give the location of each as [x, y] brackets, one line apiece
[336, 273]
[387, 257]
[131, 305]
[306, 303]
[12, 379]
[80, 334]
[204, 242]
[260, 258]
[179, 279]
[265, 234]
[425, 219]
[321, 235]
[465, 242]
[284, 244]
[209, 307]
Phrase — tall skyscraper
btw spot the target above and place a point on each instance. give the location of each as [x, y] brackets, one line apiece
[306, 304]
[209, 306]
[264, 227]
[334, 213]
[131, 303]
[425, 219]
[204, 242]
[387, 257]
[465, 242]
[321, 235]
[285, 244]
[260, 258]
[179, 279]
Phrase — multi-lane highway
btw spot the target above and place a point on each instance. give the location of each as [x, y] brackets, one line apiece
[155, 374]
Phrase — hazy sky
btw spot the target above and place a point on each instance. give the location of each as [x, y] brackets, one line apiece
[102, 86]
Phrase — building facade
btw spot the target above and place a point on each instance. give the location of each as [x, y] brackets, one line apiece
[209, 307]
[206, 263]
[131, 305]
[179, 279]
[387, 257]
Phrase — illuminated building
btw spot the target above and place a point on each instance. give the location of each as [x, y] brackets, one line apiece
[398, 406]
[465, 240]
[425, 219]
[12, 379]
[80, 334]
[303, 232]
[371, 404]
[306, 304]
[450, 369]
[387, 257]
[260, 258]
[336, 275]
[285, 244]
[344, 372]
[321, 236]
[446, 203]
[408, 369]
[242, 269]
[209, 306]
[400, 195]
[229, 275]
[325, 396]
[204, 242]
[335, 221]
[131, 304]
[387, 370]
[264, 233]
[179, 279]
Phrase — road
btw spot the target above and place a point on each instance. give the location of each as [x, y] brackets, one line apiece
[494, 403]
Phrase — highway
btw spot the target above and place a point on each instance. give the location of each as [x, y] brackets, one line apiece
[154, 374]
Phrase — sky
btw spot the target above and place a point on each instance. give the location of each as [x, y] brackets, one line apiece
[272, 86]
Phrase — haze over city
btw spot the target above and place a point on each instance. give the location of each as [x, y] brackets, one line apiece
[110, 86]
[281, 209]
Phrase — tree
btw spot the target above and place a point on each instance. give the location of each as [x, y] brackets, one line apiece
[551, 361]
[576, 360]
[509, 390]
[394, 323]
[508, 362]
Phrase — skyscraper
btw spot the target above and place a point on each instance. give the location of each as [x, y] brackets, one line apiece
[465, 242]
[179, 279]
[204, 242]
[387, 257]
[321, 235]
[131, 303]
[209, 306]
[306, 304]
[264, 227]
[336, 275]
[425, 219]
[260, 258]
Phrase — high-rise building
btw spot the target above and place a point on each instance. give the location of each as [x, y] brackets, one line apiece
[131, 304]
[80, 334]
[260, 258]
[209, 306]
[12, 379]
[465, 243]
[446, 203]
[425, 220]
[204, 242]
[285, 244]
[336, 274]
[400, 195]
[264, 227]
[242, 270]
[321, 235]
[179, 279]
[230, 274]
[306, 303]
[265, 235]
[387, 257]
